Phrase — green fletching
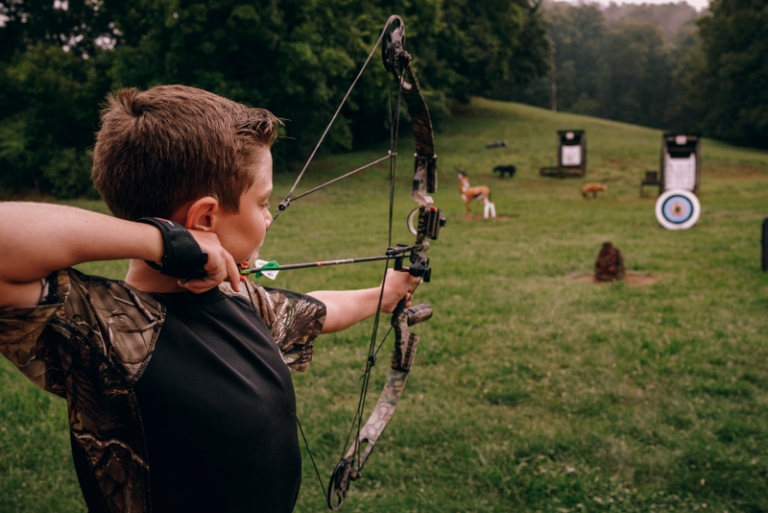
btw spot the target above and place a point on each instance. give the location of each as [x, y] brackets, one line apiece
[270, 266]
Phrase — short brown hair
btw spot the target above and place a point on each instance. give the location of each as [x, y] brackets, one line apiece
[161, 148]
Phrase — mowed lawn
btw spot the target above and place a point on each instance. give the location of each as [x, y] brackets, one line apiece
[534, 390]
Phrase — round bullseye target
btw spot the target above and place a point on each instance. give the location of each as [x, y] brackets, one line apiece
[677, 209]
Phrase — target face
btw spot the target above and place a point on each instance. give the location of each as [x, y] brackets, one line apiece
[571, 156]
[677, 209]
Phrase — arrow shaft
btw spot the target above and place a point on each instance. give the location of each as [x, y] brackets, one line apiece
[391, 254]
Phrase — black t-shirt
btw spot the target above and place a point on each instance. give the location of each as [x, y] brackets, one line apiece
[218, 409]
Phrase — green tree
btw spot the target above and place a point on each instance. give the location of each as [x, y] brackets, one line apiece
[298, 57]
[74, 24]
[579, 35]
[728, 83]
[52, 78]
[295, 57]
[628, 70]
[49, 119]
[637, 90]
[495, 47]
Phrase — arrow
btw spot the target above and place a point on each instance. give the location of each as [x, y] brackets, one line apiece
[271, 268]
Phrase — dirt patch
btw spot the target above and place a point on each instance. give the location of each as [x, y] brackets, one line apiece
[629, 279]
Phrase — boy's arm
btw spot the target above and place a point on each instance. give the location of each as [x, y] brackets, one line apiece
[347, 307]
[37, 239]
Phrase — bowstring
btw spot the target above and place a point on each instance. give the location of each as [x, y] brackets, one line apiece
[311, 456]
[394, 131]
[389, 156]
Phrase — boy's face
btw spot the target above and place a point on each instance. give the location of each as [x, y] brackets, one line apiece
[242, 232]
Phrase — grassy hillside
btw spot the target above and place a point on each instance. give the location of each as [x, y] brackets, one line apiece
[533, 390]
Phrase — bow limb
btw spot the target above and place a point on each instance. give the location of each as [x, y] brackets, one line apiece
[406, 343]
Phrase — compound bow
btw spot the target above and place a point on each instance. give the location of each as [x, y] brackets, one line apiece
[424, 222]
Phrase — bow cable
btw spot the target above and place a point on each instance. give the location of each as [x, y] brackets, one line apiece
[287, 200]
[330, 182]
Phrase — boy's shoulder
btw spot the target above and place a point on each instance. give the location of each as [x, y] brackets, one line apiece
[295, 320]
[81, 320]
[120, 321]
[109, 318]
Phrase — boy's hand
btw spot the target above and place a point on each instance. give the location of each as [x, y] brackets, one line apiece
[221, 265]
[398, 285]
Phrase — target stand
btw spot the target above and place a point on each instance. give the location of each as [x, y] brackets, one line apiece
[571, 155]
[764, 246]
[677, 209]
[680, 161]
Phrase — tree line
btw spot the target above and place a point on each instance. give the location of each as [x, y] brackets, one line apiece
[664, 66]
[661, 66]
[58, 60]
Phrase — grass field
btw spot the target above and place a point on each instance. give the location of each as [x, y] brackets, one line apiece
[533, 390]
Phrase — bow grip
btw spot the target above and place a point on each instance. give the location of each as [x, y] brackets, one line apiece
[418, 313]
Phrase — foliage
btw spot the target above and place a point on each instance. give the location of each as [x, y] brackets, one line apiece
[295, 57]
[646, 64]
[532, 390]
[639, 75]
[49, 119]
[28, 23]
[579, 36]
[494, 46]
[627, 63]
[298, 57]
[671, 17]
[662, 66]
[729, 81]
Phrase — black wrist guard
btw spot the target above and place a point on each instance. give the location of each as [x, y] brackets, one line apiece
[183, 257]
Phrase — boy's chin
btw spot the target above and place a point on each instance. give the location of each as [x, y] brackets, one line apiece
[253, 257]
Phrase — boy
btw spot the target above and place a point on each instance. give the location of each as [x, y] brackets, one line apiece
[176, 378]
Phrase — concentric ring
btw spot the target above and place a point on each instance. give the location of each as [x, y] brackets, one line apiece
[677, 209]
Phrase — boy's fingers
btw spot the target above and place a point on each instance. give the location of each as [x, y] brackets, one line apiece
[220, 267]
[233, 274]
[196, 286]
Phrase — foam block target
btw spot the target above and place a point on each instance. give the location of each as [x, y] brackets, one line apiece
[677, 209]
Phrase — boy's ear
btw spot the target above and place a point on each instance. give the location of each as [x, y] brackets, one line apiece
[202, 214]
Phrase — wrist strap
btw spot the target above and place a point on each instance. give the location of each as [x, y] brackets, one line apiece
[183, 257]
